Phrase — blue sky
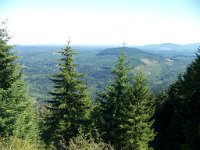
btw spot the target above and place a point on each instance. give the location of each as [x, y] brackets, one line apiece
[102, 21]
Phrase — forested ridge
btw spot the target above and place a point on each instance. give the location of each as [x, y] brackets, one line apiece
[126, 114]
[96, 63]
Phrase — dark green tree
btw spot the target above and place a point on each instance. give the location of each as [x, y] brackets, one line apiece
[189, 98]
[13, 92]
[112, 106]
[17, 117]
[70, 106]
[126, 109]
[167, 119]
[163, 117]
[182, 126]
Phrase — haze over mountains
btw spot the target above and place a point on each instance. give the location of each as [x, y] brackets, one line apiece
[161, 63]
[163, 47]
[171, 48]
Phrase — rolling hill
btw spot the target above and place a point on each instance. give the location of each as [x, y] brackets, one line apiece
[96, 63]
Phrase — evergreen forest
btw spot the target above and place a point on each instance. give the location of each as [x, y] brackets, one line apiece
[98, 98]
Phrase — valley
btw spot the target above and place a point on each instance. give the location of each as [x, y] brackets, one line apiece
[160, 62]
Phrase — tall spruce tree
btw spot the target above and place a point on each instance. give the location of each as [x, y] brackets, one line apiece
[140, 110]
[191, 107]
[70, 106]
[13, 92]
[126, 109]
[113, 105]
[14, 100]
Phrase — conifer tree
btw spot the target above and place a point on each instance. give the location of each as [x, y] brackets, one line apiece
[167, 121]
[127, 109]
[191, 107]
[140, 110]
[181, 130]
[113, 106]
[13, 92]
[70, 106]
[188, 114]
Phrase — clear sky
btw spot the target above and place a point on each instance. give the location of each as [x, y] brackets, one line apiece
[102, 21]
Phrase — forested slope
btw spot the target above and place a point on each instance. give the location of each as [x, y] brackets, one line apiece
[96, 63]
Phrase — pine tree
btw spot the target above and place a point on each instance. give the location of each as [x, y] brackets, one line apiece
[168, 121]
[189, 101]
[113, 105]
[13, 92]
[181, 130]
[140, 110]
[127, 109]
[70, 106]
[14, 100]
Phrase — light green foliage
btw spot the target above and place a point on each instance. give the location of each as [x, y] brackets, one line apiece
[140, 110]
[26, 126]
[84, 143]
[70, 106]
[15, 143]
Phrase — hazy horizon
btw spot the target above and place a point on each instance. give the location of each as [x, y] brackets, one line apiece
[95, 22]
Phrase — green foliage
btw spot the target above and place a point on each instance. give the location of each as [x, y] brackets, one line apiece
[84, 143]
[140, 109]
[96, 63]
[11, 105]
[15, 143]
[70, 106]
[126, 109]
[112, 106]
[26, 126]
[122, 114]
[15, 110]
[182, 104]
[190, 111]
[9, 70]
[13, 92]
